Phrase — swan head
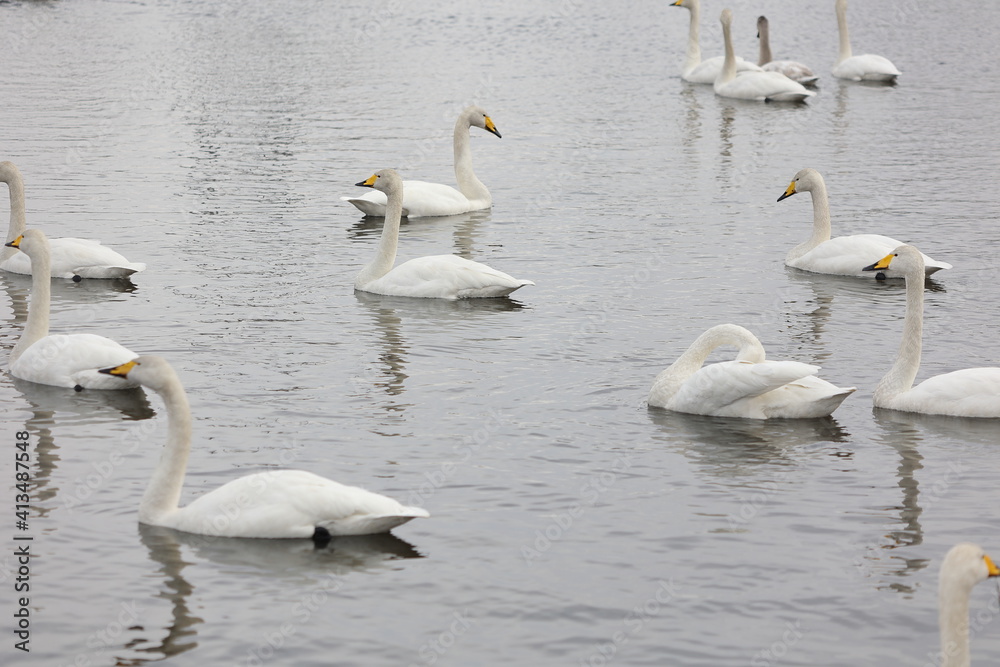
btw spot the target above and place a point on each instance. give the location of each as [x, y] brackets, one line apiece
[385, 180]
[761, 25]
[9, 171]
[148, 370]
[964, 566]
[30, 242]
[726, 18]
[904, 260]
[478, 117]
[804, 181]
[688, 4]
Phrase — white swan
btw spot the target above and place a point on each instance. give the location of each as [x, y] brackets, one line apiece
[695, 69]
[435, 276]
[760, 86]
[795, 71]
[421, 198]
[60, 360]
[844, 255]
[71, 258]
[963, 567]
[859, 68]
[972, 392]
[278, 503]
[749, 386]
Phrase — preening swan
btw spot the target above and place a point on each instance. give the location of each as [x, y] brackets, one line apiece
[795, 71]
[695, 69]
[71, 258]
[60, 360]
[844, 255]
[963, 567]
[749, 386]
[972, 392]
[425, 199]
[859, 68]
[436, 276]
[760, 86]
[273, 504]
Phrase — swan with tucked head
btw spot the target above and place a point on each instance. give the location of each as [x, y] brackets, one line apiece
[794, 70]
[60, 360]
[748, 386]
[696, 70]
[273, 504]
[759, 86]
[70, 258]
[867, 67]
[421, 198]
[963, 567]
[843, 255]
[435, 276]
[972, 392]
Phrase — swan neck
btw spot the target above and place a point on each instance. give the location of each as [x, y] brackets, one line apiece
[17, 223]
[821, 222]
[693, 358]
[900, 377]
[385, 253]
[37, 325]
[765, 45]
[729, 64]
[468, 183]
[953, 620]
[693, 57]
[845, 39]
[164, 491]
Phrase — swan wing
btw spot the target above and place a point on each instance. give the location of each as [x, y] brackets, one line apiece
[867, 67]
[972, 392]
[72, 360]
[707, 71]
[846, 256]
[795, 71]
[78, 257]
[763, 86]
[805, 398]
[445, 277]
[420, 199]
[722, 389]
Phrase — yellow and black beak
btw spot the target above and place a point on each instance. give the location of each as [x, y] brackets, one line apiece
[120, 371]
[880, 265]
[16, 243]
[991, 566]
[369, 182]
[676, 4]
[789, 192]
[490, 127]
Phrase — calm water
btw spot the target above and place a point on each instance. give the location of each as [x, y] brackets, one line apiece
[571, 525]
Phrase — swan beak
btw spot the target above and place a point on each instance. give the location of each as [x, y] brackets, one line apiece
[370, 182]
[120, 371]
[490, 127]
[16, 243]
[676, 4]
[880, 265]
[789, 192]
[991, 566]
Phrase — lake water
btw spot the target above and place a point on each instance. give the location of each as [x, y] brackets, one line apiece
[570, 524]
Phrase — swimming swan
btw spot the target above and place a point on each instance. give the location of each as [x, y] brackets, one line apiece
[421, 198]
[748, 387]
[436, 276]
[972, 392]
[695, 69]
[71, 258]
[859, 68]
[795, 71]
[963, 567]
[273, 504]
[844, 255]
[760, 86]
[60, 360]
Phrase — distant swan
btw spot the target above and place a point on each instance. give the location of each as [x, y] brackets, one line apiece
[695, 69]
[760, 86]
[795, 71]
[273, 504]
[749, 386]
[60, 360]
[71, 258]
[421, 198]
[435, 276]
[963, 567]
[972, 392]
[844, 255]
[859, 68]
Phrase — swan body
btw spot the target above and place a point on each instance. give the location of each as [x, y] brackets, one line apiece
[748, 387]
[274, 504]
[866, 67]
[70, 257]
[963, 567]
[974, 392]
[795, 71]
[421, 198]
[843, 255]
[696, 70]
[759, 86]
[60, 360]
[437, 276]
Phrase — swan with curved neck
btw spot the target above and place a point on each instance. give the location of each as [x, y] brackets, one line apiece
[274, 504]
[759, 86]
[70, 258]
[696, 70]
[867, 67]
[844, 255]
[421, 198]
[748, 387]
[794, 70]
[60, 360]
[963, 567]
[972, 392]
[435, 276]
